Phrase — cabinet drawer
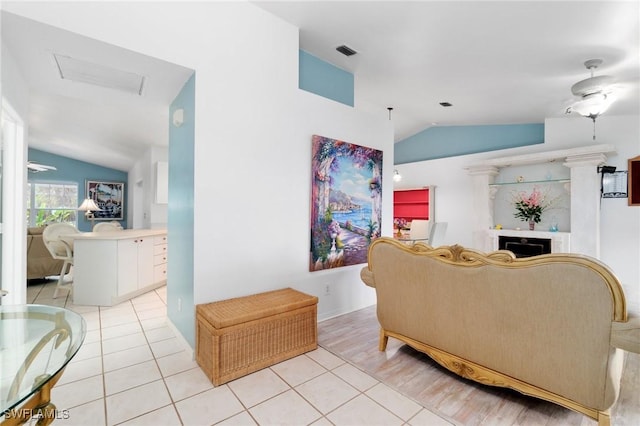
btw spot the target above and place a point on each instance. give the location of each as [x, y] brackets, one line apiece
[160, 239]
[160, 249]
[159, 259]
[160, 272]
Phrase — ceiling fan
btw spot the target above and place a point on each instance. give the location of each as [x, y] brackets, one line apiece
[595, 94]
[34, 167]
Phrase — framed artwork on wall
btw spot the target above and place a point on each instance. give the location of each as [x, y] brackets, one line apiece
[346, 202]
[109, 196]
[634, 181]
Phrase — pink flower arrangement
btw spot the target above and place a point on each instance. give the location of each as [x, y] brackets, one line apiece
[400, 223]
[529, 207]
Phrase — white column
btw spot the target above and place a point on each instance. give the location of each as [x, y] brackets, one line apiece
[585, 203]
[483, 176]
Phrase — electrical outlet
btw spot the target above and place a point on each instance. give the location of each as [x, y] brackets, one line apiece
[327, 290]
[179, 304]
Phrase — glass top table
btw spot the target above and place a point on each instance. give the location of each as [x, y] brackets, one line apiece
[36, 343]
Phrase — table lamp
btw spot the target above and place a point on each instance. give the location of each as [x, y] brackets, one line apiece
[89, 206]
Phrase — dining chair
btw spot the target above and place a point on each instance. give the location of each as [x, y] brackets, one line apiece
[436, 236]
[107, 226]
[60, 249]
[419, 230]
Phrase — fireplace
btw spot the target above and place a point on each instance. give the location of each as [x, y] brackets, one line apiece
[524, 246]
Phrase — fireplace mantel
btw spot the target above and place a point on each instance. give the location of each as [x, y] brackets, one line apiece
[585, 194]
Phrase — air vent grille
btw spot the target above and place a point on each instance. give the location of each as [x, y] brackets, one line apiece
[99, 75]
[346, 50]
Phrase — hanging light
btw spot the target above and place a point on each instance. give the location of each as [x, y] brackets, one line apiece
[397, 177]
[594, 94]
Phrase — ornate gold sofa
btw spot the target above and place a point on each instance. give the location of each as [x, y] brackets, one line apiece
[550, 326]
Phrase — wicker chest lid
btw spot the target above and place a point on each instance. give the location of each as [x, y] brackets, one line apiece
[226, 313]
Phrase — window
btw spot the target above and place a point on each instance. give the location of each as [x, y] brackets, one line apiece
[49, 202]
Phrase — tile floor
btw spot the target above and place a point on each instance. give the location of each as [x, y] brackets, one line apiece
[132, 370]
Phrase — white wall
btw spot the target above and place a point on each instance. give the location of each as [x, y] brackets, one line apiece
[252, 140]
[157, 212]
[620, 224]
[143, 211]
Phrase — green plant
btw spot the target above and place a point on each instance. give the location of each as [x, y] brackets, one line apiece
[43, 216]
[372, 227]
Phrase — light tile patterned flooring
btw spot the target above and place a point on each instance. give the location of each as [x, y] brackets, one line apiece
[132, 370]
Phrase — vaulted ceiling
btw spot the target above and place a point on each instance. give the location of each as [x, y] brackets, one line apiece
[495, 62]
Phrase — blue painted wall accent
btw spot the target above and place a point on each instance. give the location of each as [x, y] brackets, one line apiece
[70, 170]
[180, 214]
[449, 141]
[324, 79]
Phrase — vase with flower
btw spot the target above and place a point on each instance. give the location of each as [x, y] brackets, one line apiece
[334, 231]
[529, 207]
[399, 223]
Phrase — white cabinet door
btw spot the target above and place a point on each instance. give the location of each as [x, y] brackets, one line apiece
[145, 262]
[127, 266]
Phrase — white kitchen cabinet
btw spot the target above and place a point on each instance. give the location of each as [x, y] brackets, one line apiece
[160, 258]
[135, 264]
[116, 266]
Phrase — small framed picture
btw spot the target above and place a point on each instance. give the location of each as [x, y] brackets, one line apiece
[109, 196]
[614, 185]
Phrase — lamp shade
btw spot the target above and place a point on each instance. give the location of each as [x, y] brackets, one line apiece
[88, 205]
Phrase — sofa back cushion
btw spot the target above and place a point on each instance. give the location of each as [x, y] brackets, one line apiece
[545, 322]
[36, 230]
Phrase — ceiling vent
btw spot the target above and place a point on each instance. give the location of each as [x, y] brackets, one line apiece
[346, 50]
[98, 75]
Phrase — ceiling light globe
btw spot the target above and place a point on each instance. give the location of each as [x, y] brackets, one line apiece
[592, 105]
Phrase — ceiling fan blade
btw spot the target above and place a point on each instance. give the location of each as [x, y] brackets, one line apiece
[36, 167]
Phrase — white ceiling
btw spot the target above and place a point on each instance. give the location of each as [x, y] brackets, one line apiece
[496, 62]
[502, 62]
[99, 125]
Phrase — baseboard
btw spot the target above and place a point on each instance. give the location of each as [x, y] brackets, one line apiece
[181, 340]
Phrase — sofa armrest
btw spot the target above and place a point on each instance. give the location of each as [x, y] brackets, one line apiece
[367, 277]
[626, 335]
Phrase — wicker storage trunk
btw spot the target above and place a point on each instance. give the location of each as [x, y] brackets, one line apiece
[238, 336]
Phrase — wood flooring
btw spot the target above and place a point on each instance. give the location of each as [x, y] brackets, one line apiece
[354, 337]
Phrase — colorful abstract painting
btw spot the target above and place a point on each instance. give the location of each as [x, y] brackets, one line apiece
[346, 202]
[109, 196]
